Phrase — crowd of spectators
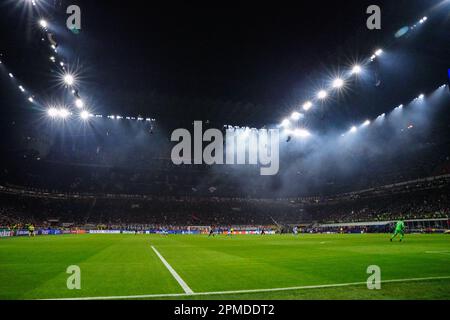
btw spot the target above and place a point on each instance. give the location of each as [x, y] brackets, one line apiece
[422, 199]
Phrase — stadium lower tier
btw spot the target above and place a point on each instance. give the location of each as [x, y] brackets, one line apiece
[429, 201]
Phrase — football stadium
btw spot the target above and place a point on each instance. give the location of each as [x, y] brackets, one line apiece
[202, 152]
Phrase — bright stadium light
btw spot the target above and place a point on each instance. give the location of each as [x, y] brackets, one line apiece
[353, 129]
[285, 123]
[79, 103]
[52, 112]
[85, 115]
[68, 79]
[31, 99]
[356, 69]
[63, 113]
[307, 105]
[322, 94]
[421, 96]
[366, 123]
[379, 52]
[338, 83]
[301, 133]
[296, 116]
[21, 89]
[43, 23]
[10, 75]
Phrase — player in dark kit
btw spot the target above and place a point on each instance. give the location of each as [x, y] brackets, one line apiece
[31, 230]
[211, 232]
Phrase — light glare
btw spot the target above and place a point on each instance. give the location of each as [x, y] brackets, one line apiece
[296, 116]
[301, 133]
[52, 112]
[307, 105]
[63, 113]
[338, 83]
[84, 115]
[79, 103]
[69, 79]
[285, 123]
[322, 94]
[43, 23]
[356, 69]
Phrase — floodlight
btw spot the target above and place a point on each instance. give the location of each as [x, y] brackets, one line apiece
[307, 105]
[63, 113]
[79, 103]
[69, 79]
[322, 94]
[84, 115]
[302, 133]
[356, 69]
[52, 112]
[43, 23]
[296, 116]
[285, 123]
[338, 83]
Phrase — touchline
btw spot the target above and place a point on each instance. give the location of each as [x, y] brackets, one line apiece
[242, 146]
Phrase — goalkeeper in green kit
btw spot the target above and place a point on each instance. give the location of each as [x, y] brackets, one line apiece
[399, 230]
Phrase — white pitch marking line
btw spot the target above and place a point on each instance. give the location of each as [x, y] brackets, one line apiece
[439, 252]
[251, 290]
[174, 273]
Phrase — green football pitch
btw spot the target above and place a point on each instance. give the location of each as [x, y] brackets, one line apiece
[238, 267]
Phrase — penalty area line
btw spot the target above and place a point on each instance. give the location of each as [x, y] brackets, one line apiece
[323, 286]
[187, 290]
[439, 252]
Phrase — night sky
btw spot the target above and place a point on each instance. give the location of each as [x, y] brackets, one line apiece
[232, 63]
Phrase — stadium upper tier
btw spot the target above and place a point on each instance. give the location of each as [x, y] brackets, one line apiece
[419, 199]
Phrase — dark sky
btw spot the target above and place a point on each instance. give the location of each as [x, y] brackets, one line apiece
[226, 61]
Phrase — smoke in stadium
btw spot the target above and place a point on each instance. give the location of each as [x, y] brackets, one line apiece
[293, 149]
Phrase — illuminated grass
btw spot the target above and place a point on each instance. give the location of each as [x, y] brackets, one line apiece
[120, 265]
